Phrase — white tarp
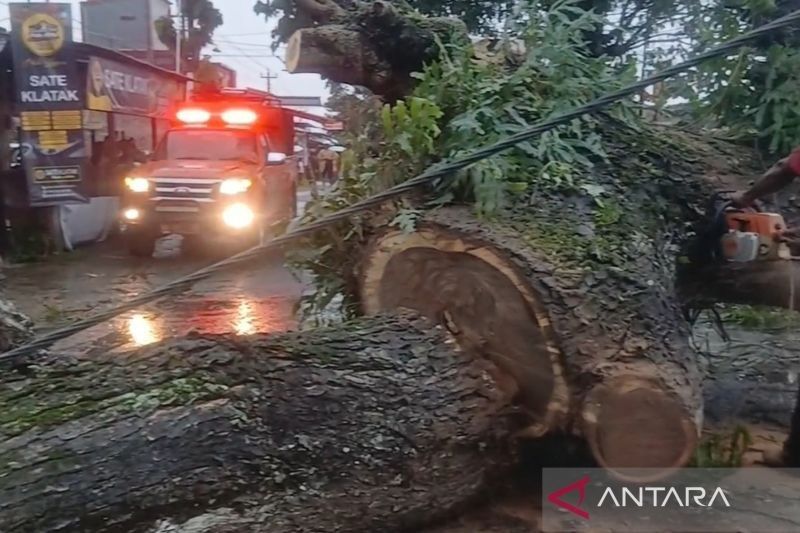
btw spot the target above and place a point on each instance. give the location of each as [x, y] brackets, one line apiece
[88, 223]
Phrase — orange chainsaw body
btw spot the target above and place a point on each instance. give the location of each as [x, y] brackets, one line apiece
[754, 236]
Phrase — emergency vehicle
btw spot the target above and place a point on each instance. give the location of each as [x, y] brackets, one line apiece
[222, 170]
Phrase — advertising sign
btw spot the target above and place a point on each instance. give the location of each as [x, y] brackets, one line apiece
[50, 95]
[113, 86]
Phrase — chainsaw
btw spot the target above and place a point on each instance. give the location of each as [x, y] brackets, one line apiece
[739, 235]
[753, 236]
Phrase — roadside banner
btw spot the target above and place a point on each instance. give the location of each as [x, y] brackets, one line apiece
[113, 86]
[50, 96]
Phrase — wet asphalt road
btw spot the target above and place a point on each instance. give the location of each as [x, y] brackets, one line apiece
[258, 299]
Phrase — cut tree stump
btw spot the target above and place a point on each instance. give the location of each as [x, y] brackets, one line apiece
[340, 55]
[616, 369]
[573, 291]
[381, 424]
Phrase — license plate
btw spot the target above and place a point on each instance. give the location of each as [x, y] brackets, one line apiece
[180, 227]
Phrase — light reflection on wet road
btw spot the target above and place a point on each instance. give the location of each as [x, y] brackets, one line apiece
[258, 299]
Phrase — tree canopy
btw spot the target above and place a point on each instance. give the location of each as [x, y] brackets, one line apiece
[573, 51]
[201, 18]
[751, 94]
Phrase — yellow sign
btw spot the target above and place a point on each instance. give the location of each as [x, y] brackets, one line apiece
[51, 120]
[53, 140]
[36, 120]
[43, 34]
[67, 120]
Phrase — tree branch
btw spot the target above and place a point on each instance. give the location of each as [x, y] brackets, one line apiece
[321, 11]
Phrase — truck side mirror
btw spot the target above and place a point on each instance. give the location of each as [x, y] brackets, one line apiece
[276, 158]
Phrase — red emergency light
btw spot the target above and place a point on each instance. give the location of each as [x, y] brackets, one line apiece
[239, 117]
[193, 115]
[221, 114]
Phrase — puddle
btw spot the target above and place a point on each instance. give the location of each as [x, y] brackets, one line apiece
[259, 299]
[241, 316]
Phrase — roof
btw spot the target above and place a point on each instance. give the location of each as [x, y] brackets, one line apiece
[92, 49]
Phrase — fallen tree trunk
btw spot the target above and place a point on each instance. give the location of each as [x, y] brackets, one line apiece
[573, 296]
[768, 283]
[379, 425]
[615, 368]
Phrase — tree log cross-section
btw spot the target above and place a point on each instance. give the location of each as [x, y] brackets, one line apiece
[378, 425]
[375, 44]
[575, 369]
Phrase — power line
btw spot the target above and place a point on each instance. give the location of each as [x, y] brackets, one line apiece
[438, 172]
[221, 54]
[242, 34]
[250, 57]
[239, 43]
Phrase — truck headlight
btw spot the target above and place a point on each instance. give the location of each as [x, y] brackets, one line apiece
[137, 184]
[235, 186]
[238, 216]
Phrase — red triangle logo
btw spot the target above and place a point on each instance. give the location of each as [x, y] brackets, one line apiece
[580, 486]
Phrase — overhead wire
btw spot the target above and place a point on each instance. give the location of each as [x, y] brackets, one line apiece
[431, 175]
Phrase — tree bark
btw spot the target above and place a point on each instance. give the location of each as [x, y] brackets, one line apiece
[340, 55]
[573, 295]
[616, 369]
[768, 283]
[370, 44]
[378, 425]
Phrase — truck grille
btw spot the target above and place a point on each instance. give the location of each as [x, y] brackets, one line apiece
[183, 190]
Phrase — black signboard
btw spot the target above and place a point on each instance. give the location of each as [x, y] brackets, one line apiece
[113, 86]
[50, 96]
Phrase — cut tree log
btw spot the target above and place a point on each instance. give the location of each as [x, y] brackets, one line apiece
[374, 44]
[573, 296]
[378, 425]
[768, 283]
[340, 55]
[610, 370]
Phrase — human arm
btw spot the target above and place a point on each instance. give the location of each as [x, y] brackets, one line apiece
[776, 178]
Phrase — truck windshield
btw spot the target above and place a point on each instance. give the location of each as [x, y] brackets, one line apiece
[234, 145]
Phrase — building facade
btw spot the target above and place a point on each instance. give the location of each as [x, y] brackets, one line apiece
[128, 26]
[123, 24]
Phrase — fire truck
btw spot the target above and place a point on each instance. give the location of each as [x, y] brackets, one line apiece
[222, 170]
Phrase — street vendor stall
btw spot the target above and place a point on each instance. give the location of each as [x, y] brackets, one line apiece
[85, 115]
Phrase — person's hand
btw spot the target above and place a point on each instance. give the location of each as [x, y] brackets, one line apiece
[789, 236]
[741, 199]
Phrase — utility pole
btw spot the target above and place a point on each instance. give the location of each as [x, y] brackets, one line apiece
[269, 77]
[178, 37]
[151, 58]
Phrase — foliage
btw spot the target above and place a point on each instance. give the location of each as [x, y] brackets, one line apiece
[481, 17]
[723, 450]
[572, 54]
[460, 104]
[201, 18]
[355, 107]
[30, 243]
[208, 76]
[752, 93]
[622, 26]
[760, 318]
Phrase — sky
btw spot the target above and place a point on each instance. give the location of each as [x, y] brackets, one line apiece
[243, 43]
